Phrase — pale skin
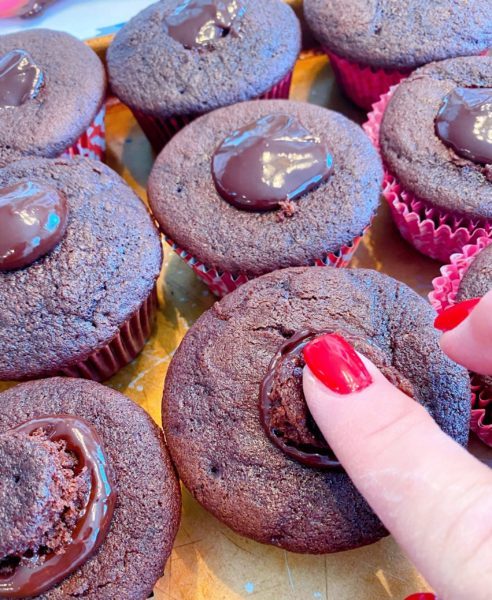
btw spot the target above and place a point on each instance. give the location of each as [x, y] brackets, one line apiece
[431, 494]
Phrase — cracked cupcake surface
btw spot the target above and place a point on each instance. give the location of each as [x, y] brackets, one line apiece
[283, 410]
[47, 496]
[40, 494]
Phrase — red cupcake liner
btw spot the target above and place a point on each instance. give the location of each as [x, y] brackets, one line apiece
[160, 131]
[363, 84]
[92, 143]
[221, 283]
[433, 231]
[443, 296]
[103, 363]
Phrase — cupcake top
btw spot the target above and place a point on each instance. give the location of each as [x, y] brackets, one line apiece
[191, 56]
[65, 288]
[51, 88]
[221, 431]
[265, 184]
[397, 34]
[87, 484]
[441, 154]
[477, 280]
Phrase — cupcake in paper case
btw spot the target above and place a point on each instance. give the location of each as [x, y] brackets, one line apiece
[469, 276]
[179, 59]
[79, 260]
[89, 498]
[235, 412]
[52, 93]
[373, 45]
[432, 131]
[263, 185]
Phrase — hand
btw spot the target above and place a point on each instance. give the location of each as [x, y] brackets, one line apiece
[431, 494]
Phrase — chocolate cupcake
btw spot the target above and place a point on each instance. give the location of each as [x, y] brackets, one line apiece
[79, 258]
[52, 90]
[467, 278]
[89, 499]
[178, 59]
[235, 417]
[373, 45]
[438, 178]
[264, 185]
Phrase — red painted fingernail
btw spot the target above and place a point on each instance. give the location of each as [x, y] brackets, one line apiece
[336, 364]
[454, 315]
[422, 596]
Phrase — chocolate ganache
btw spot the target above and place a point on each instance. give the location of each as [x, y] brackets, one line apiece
[284, 414]
[464, 122]
[283, 410]
[270, 161]
[33, 220]
[197, 23]
[20, 78]
[30, 573]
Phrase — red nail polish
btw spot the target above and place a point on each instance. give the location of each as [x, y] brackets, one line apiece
[422, 596]
[454, 315]
[336, 364]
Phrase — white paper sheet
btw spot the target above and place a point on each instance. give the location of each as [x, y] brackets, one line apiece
[82, 18]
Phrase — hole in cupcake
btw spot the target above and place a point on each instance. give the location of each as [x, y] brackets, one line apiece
[284, 414]
[64, 496]
[198, 23]
[215, 470]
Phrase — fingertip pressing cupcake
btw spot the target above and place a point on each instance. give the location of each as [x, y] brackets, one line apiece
[263, 185]
[79, 260]
[52, 93]
[235, 416]
[433, 131]
[373, 45]
[90, 501]
[467, 278]
[178, 59]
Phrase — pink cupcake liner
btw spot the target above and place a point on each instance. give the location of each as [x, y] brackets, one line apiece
[433, 231]
[443, 296]
[103, 363]
[160, 131]
[481, 414]
[361, 83]
[446, 285]
[221, 283]
[364, 84]
[92, 143]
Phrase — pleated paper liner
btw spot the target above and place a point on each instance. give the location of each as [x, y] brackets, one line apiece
[433, 231]
[221, 283]
[363, 84]
[160, 131]
[443, 296]
[92, 143]
[103, 363]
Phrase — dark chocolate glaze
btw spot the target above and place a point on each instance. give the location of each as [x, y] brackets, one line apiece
[33, 220]
[197, 23]
[318, 455]
[271, 160]
[20, 78]
[464, 122]
[82, 439]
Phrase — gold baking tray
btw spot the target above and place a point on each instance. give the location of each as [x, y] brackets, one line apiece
[209, 561]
